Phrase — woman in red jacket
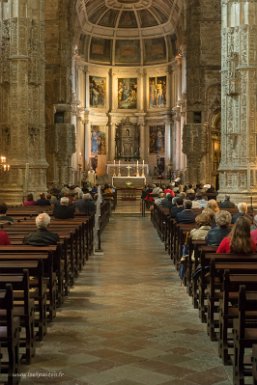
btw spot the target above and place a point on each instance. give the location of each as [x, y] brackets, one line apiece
[239, 240]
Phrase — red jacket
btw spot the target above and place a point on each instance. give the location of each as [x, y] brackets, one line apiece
[4, 239]
[224, 246]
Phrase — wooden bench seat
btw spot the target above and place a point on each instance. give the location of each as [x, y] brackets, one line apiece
[235, 264]
[37, 285]
[49, 255]
[245, 336]
[229, 309]
[9, 337]
[23, 308]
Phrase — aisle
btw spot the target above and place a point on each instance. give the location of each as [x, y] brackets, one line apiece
[128, 321]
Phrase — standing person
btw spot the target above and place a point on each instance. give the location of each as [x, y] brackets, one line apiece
[239, 241]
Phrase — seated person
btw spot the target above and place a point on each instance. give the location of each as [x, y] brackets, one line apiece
[29, 201]
[167, 201]
[43, 201]
[42, 236]
[4, 238]
[86, 205]
[178, 207]
[64, 210]
[226, 203]
[254, 230]
[159, 200]
[242, 212]
[199, 201]
[3, 213]
[239, 241]
[187, 215]
[213, 204]
[221, 230]
[203, 222]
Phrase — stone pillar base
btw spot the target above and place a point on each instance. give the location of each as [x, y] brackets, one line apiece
[250, 197]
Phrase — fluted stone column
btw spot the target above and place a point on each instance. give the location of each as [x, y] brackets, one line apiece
[22, 78]
[238, 165]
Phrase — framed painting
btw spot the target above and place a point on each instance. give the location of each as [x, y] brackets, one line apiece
[157, 92]
[157, 140]
[127, 93]
[98, 141]
[97, 91]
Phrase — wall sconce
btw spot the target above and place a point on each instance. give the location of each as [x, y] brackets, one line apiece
[4, 166]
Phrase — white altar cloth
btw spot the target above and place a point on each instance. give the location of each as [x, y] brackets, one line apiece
[136, 181]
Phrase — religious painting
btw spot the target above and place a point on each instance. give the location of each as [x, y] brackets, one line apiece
[98, 141]
[127, 52]
[127, 93]
[160, 167]
[157, 92]
[100, 50]
[157, 140]
[155, 50]
[97, 91]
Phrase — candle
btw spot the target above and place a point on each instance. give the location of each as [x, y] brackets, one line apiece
[114, 162]
[137, 163]
[143, 162]
[119, 163]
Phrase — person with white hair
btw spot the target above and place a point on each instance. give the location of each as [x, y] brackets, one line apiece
[42, 236]
[86, 205]
[242, 212]
[64, 209]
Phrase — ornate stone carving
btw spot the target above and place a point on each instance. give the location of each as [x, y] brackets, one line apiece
[33, 135]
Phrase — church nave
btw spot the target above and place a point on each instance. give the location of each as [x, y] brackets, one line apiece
[128, 321]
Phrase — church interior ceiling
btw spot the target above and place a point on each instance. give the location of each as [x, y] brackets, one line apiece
[128, 32]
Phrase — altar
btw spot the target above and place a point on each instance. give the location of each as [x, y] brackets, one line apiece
[129, 182]
[128, 175]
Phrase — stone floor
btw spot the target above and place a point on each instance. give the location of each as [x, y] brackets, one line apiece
[127, 321]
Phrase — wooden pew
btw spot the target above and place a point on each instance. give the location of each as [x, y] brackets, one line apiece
[245, 335]
[235, 264]
[36, 273]
[50, 257]
[23, 308]
[9, 336]
[254, 364]
[229, 309]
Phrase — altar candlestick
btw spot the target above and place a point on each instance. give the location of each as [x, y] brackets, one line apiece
[114, 162]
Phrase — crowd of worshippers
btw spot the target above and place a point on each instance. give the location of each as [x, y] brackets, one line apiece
[230, 232]
[65, 203]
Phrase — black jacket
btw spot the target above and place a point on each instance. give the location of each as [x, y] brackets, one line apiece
[41, 237]
[185, 216]
[63, 212]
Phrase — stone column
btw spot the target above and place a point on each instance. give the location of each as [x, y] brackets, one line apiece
[22, 92]
[141, 122]
[238, 165]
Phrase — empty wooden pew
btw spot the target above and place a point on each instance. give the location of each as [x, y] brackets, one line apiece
[23, 308]
[245, 336]
[9, 336]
